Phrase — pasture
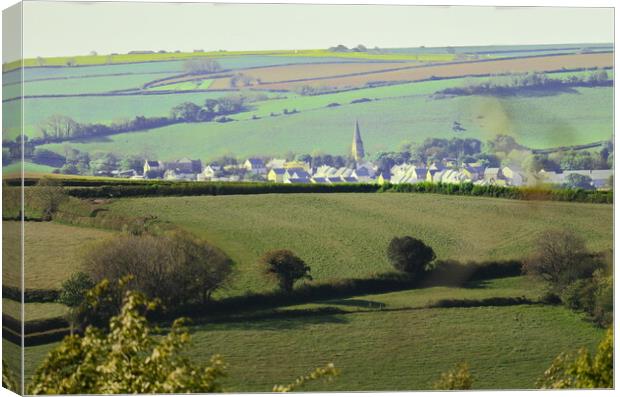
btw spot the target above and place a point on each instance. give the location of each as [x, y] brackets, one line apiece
[398, 347]
[346, 235]
[53, 252]
[543, 121]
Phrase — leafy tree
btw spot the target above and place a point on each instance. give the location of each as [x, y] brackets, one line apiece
[73, 294]
[201, 66]
[582, 371]
[186, 111]
[176, 267]
[285, 267]
[9, 380]
[577, 181]
[128, 359]
[409, 255]
[458, 378]
[560, 257]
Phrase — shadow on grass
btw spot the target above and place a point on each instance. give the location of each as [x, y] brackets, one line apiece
[361, 303]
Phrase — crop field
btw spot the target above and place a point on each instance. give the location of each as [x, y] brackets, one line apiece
[517, 65]
[535, 121]
[346, 235]
[311, 71]
[53, 251]
[381, 349]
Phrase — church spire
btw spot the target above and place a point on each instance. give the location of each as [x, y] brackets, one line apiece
[357, 149]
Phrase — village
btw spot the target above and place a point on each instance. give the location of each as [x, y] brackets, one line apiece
[361, 170]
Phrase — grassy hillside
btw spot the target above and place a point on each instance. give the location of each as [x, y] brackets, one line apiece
[345, 235]
[537, 122]
[402, 346]
[53, 251]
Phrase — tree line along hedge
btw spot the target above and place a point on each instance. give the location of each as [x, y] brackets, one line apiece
[86, 190]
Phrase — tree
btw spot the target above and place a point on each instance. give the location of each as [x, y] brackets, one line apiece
[73, 293]
[409, 255]
[285, 267]
[583, 371]
[128, 359]
[58, 126]
[560, 257]
[176, 267]
[456, 379]
[48, 195]
[577, 181]
[201, 66]
[186, 111]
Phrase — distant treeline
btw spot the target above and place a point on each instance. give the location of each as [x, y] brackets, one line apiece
[94, 189]
[511, 84]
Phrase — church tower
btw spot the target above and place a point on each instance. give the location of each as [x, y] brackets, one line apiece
[357, 149]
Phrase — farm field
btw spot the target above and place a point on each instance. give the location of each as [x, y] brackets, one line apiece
[345, 235]
[506, 347]
[535, 121]
[517, 65]
[53, 251]
[33, 311]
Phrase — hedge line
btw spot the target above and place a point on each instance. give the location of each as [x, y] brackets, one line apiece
[34, 326]
[228, 188]
[34, 339]
[30, 295]
[496, 301]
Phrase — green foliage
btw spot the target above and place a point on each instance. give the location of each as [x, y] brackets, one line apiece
[329, 372]
[458, 378]
[582, 371]
[128, 359]
[577, 181]
[73, 290]
[176, 267]
[285, 267]
[410, 255]
[9, 380]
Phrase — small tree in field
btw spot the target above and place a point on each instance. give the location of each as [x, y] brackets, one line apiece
[285, 267]
[48, 194]
[560, 258]
[73, 294]
[409, 255]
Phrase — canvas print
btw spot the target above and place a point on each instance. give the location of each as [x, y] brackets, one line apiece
[281, 197]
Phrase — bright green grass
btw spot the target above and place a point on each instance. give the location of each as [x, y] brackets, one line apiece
[52, 252]
[403, 349]
[184, 86]
[83, 85]
[345, 235]
[95, 109]
[15, 168]
[537, 122]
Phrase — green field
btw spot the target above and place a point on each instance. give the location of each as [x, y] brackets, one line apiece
[53, 252]
[537, 122]
[345, 235]
[399, 347]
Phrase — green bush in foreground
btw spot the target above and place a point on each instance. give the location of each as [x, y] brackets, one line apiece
[582, 371]
[458, 378]
[130, 359]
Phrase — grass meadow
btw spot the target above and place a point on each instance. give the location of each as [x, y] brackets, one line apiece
[346, 235]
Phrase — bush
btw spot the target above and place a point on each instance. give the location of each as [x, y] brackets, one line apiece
[72, 294]
[409, 255]
[175, 267]
[583, 371]
[560, 258]
[285, 267]
[456, 379]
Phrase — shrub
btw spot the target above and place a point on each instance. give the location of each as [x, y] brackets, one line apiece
[456, 379]
[72, 294]
[409, 255]
[175, 267]
[560, 258]
[285, 267]
[583, 371]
